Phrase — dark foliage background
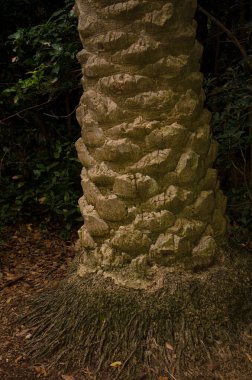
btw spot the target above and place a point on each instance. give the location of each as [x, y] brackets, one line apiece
[39, 92]
[39, 89]
[227, 67]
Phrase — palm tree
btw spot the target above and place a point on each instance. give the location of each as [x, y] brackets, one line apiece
[151, 294]
[151, 198]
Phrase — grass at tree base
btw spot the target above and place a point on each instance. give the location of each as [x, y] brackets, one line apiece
[191, 328]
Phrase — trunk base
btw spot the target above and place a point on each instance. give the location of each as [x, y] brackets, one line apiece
[196, 326]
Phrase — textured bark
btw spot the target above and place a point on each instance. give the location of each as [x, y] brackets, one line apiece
[151, 199]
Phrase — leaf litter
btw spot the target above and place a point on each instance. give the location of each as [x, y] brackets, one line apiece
[29, 260]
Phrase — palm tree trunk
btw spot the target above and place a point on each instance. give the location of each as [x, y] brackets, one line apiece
[151, 198]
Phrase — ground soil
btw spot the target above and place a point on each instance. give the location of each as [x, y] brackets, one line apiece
[30, 260]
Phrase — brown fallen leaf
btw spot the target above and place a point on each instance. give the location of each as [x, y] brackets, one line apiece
[17, 360]
[249, 357]
[29, 226]
[169, 346]
[22, 332]
[67, 377]
[246, 335]
[163, 378]
[10, 276]
[40, 369]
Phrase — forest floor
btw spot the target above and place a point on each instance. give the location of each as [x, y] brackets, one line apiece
[31, 260]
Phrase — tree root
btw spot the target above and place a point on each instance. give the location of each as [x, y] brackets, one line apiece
[188, 329]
